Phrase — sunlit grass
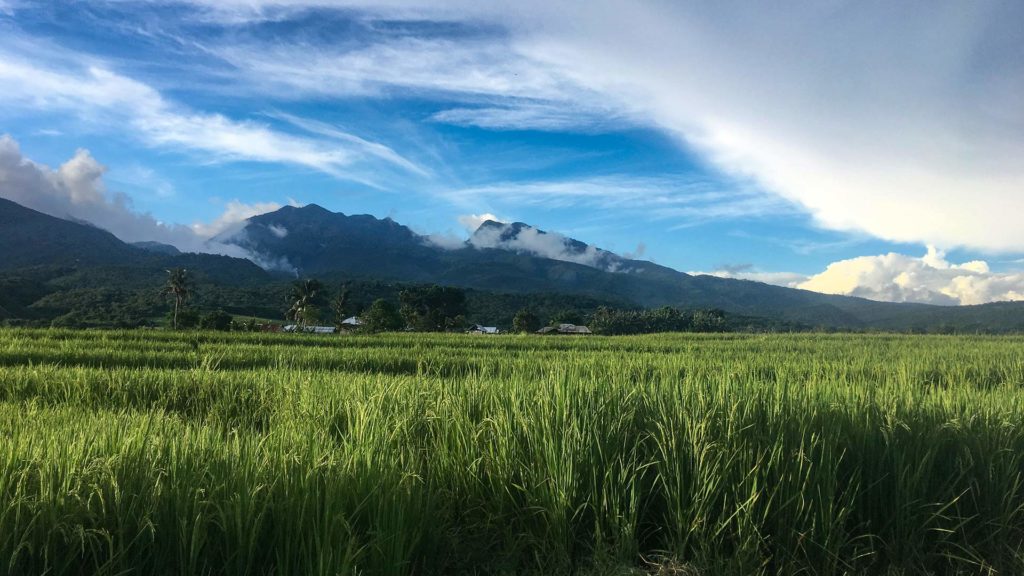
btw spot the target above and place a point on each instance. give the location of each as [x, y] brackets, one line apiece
[161, 453]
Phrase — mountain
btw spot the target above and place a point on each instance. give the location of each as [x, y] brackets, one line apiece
[62, 272]
[313, 241]
[158, 247]
[30, 238]
[518, 258]
[77, 274]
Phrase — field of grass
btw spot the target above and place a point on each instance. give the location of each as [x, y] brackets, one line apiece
[160, 453]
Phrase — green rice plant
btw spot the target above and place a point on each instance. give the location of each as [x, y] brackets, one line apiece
[174, 453]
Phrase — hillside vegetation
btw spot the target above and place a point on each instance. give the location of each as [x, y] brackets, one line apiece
[156, 452]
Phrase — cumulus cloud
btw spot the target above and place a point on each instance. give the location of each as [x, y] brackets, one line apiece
[930, 279]
[76, 191]
[892, 277]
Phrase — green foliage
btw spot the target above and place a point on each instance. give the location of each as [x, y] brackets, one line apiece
[216, 320]
[382, 316]
[664, 319]
[340, 304]
[303, 298]
[525, 321]
[179, 288]
[188, 318]
[433, 308]
[567, 316]
[151, 452]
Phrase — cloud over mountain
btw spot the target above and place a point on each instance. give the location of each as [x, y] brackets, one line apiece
[76, 190]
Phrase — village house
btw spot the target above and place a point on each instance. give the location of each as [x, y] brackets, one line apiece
[564, 329]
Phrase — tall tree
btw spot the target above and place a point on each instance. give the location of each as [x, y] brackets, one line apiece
[433, 308]
[525, 321]
[303, 300]
[382, 316]
[178, 286]
[339, 306]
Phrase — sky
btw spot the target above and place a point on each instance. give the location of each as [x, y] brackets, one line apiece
[864, 148]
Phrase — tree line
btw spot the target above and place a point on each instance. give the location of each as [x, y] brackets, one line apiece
[429, 308]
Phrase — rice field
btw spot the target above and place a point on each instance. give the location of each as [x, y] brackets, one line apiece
[193, 453]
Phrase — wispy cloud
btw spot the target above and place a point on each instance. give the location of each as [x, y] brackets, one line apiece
[105, 99]
[685, 201]
[748, 272]
[369, 148]
[546, 116]
[881, 119]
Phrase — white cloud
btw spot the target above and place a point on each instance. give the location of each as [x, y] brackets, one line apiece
[551, 245]
[892, 277]
[486, 67]
[750, 272]
[931, 278]
[103, 98]
[532, 116]
[473, 221]
[902, 123]
[279, 231]
[76, 190]
[232, 219]
[680, 199]
[447, 241]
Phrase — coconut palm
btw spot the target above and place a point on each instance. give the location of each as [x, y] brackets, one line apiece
[303, 296]
[178, 287]
[339, 305]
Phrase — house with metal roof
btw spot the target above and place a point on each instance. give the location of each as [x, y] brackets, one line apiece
[564, 329]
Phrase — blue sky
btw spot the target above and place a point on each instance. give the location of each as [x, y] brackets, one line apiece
[851, 148]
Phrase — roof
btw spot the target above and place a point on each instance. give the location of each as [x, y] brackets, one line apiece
[352, 321]
[310, 329]
[484, 329]
[565, 329]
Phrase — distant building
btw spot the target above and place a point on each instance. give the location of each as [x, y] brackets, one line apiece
[310, 329]
[351, 323]
[479, 329]
[564, 329]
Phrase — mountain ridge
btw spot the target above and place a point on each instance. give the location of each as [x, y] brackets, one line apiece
[333, 246]
[519, 258]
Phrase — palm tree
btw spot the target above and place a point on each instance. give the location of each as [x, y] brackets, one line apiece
[177, 286]
[339, 306]
[303, 296]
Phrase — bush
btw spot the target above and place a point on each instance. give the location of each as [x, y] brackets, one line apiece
[218, 320]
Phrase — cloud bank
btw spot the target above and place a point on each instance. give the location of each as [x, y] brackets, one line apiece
[892, 277]
[929, 279]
